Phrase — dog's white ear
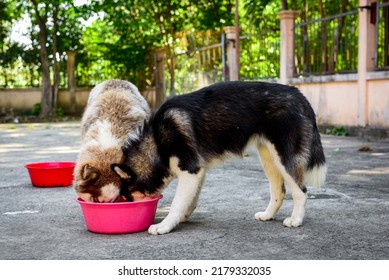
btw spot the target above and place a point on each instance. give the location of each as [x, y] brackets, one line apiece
[120, 172]
[90, 173]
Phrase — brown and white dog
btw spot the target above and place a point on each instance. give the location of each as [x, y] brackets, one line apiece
[115, 112]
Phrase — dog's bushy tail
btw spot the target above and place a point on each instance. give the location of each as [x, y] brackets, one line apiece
[315, 174]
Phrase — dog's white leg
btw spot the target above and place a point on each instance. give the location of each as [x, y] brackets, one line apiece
[193, 205]
[184, 201]
[299, 200]
[276, 181]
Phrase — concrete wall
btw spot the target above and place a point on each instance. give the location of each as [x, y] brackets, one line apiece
[20, 100]
[23, 100]
[335, 99]
[378, 103]
[358, 100]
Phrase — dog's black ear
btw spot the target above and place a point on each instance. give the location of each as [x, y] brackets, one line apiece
[123, 171]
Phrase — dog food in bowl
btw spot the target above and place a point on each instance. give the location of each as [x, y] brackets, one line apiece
[51, 174]
[119, 217]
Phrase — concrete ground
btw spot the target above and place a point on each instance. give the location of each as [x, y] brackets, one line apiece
[348, 219]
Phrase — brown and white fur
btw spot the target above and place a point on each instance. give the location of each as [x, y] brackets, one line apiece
[115, 112]
[189, 133]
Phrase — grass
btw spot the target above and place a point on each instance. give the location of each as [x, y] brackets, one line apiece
[338, 131]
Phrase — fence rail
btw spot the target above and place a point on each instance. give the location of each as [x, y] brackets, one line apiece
[382, 24]
[328, 45]
[194, 69]
[259, 60]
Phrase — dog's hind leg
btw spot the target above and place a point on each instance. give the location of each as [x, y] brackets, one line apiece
[299, 195]
[184, 201]
[276, 181]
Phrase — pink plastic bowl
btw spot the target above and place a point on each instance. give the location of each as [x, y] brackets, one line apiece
[51, 174]
[119, 217]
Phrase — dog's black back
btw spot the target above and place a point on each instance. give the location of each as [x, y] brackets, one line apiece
[224, 117]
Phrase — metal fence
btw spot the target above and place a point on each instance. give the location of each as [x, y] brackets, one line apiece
[382, 55]
[259, 60]
[195, 69]
[327, 45]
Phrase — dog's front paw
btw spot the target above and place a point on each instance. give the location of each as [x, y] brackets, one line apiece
[263, 216]
[161, 228]
[293, 222]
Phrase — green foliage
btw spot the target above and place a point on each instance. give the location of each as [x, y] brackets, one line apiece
[383, 38]
[212, 14]
[21, 63]
[121, 40]
[60, 112]
[36, 109]
[338, 131]
[137, 28]
[257, 13]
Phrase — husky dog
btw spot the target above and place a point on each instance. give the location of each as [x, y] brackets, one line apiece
[190, 133]
[115, 112]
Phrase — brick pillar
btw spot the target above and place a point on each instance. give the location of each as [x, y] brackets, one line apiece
[232, 53]
[287, 45]
[366, 52]
[71, 68]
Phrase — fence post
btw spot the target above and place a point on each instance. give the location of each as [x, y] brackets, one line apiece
[232, 53]
[159, 76]
[366, 52]
[70, 68]
[287, 45]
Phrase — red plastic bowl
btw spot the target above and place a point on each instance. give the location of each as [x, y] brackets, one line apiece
[51, 174]
[119, 217]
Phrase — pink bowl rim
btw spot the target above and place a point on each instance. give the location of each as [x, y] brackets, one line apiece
[41, 165]
[106, 204]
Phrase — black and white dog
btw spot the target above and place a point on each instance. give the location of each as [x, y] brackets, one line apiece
[190, 133]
